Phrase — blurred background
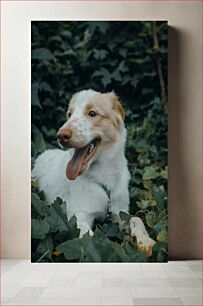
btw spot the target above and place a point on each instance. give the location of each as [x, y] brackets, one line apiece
[129, 58]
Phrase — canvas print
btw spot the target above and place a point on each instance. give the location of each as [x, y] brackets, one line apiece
[99, 141]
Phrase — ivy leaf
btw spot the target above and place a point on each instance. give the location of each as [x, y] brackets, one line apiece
[135, 80]
[45, 247]
[162, 236]
[45, 86]
[39, 228]
[74, 231]
[150, 173]
[39, 205]
[100, 54]
[57, 219]
[40, 143]
[143, 204]
[74, 248]
[34, 95]
[164, 173]
[124, 216]
[42, 54]
[105, 74]
[123, 52]
[151, 219]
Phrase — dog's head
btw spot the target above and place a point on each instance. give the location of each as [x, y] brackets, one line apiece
[94, 121]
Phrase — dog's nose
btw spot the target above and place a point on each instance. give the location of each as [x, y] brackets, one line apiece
[64, 135]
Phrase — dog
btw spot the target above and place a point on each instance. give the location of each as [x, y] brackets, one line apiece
[92, 176]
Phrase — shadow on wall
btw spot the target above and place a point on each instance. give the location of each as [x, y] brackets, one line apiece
[184, 185]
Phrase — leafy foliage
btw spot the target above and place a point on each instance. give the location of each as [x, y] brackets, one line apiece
[71, 56]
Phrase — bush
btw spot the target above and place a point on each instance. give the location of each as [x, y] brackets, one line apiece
[120, 56]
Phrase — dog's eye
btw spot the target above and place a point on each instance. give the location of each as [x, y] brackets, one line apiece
[69, 115]
[92, 114]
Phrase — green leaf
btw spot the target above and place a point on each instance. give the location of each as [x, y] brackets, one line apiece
[147, 184]
[151, 219]
[120, 253]
[45, 247]
[73, 249]
[39, 205]
[150, 173]
[45, 86]
[105, 74]
[135, 80]
[100, 54]
[42, 54]
[40, 143]
[160, 251]
[57, 219]
[39, 228]
[34, 95]
[123, 52]
[164, 173]
[141, 146]
[113, 231]
[162, 236]
[124, 216]
[74, 231]
[146, 203]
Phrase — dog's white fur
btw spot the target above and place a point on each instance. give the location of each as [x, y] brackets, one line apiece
[85, 196]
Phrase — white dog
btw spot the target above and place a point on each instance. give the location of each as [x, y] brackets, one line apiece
[92, 176]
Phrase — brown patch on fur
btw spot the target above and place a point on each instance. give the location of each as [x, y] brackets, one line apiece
[106, 121]
[118, 106]
[143, 248]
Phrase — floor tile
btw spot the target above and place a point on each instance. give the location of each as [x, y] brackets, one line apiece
[9, 292]
[179, 274]
[21, 301]
[192, 301]
[193, 262]
[177, 268]
[155, 274]
[189, 291]
[154, 292]
[118, 301]
[67, 273]
[91, 267]
[122, 274]
[198, 274]
[145, 282]
[185, 282]
[116, 292]
[30, 292]
[155, 267]
[69, 301]
[88, 282]
[112, 282]
[15, 275]
[173, 283]
[61, 282]
[157, 301]
[37, 279]
[72, 292]
[196, 268]
[124, 267]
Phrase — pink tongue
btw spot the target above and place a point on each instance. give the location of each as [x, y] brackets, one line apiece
[74, 166]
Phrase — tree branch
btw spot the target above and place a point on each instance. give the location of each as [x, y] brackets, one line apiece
[158, 61]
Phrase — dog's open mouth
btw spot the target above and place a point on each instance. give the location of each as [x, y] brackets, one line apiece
[80, 159]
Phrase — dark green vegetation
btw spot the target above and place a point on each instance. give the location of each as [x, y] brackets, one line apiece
[131, 59]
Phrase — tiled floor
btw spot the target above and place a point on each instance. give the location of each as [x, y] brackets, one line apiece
[174, 283]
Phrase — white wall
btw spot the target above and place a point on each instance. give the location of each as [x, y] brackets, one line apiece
[184, 112]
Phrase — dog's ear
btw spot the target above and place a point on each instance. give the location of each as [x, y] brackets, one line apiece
[116, 105]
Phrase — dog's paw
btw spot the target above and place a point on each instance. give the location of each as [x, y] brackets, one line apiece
[145, 244]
